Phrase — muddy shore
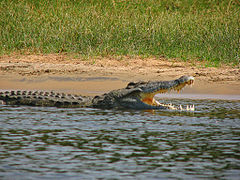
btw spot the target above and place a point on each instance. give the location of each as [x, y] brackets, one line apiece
[99, 75]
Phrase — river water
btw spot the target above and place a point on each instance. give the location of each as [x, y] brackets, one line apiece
[58, 143]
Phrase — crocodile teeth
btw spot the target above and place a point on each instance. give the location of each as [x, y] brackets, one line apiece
[180, 107]
[193, 108]
[188, 108]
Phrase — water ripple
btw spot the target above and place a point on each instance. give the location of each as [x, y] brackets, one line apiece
[58, 143]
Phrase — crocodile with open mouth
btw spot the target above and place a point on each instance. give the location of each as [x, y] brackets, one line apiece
[139, 95]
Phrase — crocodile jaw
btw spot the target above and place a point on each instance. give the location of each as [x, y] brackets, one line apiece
[148, 98]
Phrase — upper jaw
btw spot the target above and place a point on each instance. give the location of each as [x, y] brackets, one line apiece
[166, 86]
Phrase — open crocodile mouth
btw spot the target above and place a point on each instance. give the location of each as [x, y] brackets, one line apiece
[148, 98]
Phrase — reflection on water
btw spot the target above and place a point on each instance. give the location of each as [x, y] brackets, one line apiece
[56, 143]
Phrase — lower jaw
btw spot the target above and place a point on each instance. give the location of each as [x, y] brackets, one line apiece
[172, 107]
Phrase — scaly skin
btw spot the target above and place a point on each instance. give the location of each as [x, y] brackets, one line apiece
[138, 95]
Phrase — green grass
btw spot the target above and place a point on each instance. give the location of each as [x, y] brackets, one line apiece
[190, 30]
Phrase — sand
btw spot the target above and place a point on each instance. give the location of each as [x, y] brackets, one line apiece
[93, 76]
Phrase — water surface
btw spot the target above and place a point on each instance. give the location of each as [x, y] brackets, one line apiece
[58, 143]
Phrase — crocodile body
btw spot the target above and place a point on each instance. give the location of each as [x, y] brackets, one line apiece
[138, 95]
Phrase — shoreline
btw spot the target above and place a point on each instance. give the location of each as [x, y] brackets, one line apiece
[96, 76]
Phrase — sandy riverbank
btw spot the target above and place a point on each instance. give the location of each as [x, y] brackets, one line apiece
[95, 76]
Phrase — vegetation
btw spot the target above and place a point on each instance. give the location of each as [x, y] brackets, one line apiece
[204, 30]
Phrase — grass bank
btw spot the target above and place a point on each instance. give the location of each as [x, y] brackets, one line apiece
[189, 29]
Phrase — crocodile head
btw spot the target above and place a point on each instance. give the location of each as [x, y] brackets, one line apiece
[140, 95]
[150, 89]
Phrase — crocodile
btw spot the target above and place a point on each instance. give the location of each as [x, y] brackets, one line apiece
[136, 95]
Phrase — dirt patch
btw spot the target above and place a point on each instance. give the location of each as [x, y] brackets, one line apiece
[62, 72]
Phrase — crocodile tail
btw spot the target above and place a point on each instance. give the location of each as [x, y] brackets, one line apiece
[42, 98]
